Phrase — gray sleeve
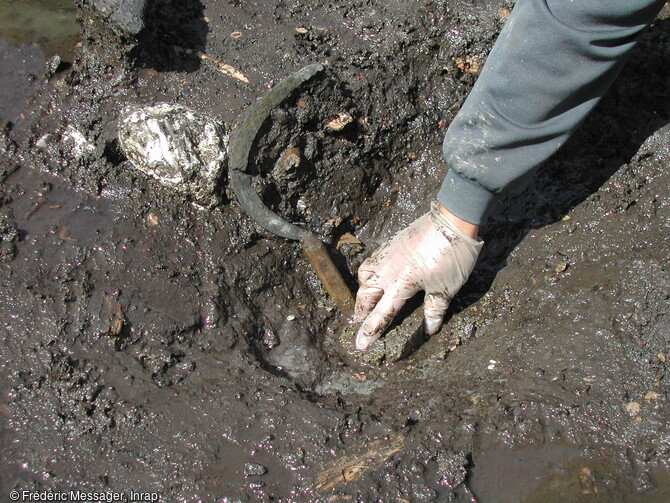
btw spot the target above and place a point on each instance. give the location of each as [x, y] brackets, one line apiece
[552, 62]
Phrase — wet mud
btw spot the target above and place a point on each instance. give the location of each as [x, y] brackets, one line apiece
[150, 344]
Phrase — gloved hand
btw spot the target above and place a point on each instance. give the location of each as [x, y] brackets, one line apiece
[433, 255]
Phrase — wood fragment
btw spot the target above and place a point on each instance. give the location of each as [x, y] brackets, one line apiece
[118, 319]
[504, 13]
[224, 68]
[347, 239]
[62, 234]
[467, 64]
[35, 207]
[339, 122]
[350, 467]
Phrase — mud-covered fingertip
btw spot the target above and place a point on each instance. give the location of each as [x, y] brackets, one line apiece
[432, 325]
[364, 340]
[366, 300]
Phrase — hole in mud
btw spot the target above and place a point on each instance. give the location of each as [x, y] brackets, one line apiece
[112, 152]
[314, 165]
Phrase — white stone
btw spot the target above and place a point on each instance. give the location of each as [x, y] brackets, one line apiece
[183, 150]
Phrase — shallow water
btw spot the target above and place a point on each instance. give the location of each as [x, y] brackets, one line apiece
[557, 473]
[31, 31]
[49, 23]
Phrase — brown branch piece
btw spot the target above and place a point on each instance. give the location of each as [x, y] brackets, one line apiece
[117, 318]
[350, 467]
[224, 68]
[33, 209]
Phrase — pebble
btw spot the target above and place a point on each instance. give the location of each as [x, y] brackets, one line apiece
[51, 66]
[270, 339]
[633, 408]
[254, 469]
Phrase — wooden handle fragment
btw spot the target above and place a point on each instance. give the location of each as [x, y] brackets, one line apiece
[325, 269]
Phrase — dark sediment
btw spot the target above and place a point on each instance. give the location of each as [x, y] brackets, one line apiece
[147, 344]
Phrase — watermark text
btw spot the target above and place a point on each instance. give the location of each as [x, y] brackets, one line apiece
[85, 496]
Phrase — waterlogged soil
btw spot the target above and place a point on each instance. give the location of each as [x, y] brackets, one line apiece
[149, 344]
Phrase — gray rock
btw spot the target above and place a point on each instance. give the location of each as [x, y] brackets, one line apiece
[125, 16]
[451, 469]
[254, 469]
[181, 149]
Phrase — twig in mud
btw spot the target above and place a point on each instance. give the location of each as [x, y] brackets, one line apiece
[62, 234]
[224, 68]
[35, 207]
[352, 466]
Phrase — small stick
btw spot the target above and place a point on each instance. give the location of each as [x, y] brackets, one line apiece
[327, 272]
[224, 68]
[353, 465]
[35, 207]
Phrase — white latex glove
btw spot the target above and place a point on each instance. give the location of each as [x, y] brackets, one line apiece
[433, 255]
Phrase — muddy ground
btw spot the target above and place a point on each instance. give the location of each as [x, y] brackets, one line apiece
[150, 344]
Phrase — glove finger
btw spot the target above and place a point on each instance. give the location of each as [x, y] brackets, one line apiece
[379, 319]
[435, 305]
[367, 298]
[366, 270]
[372, 263]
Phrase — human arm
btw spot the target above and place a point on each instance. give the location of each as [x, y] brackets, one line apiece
[552, 63]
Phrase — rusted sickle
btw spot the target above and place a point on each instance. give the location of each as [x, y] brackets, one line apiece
[238, 158]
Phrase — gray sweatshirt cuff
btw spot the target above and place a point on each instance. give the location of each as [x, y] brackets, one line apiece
[465, 198]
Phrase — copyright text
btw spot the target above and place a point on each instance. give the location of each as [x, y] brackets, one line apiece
[76, 496]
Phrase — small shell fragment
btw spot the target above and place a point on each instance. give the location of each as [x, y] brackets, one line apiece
[633, 408]
[339, 122]
[467, 64]
[152, 220]
[561, 266]
[287, 164]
